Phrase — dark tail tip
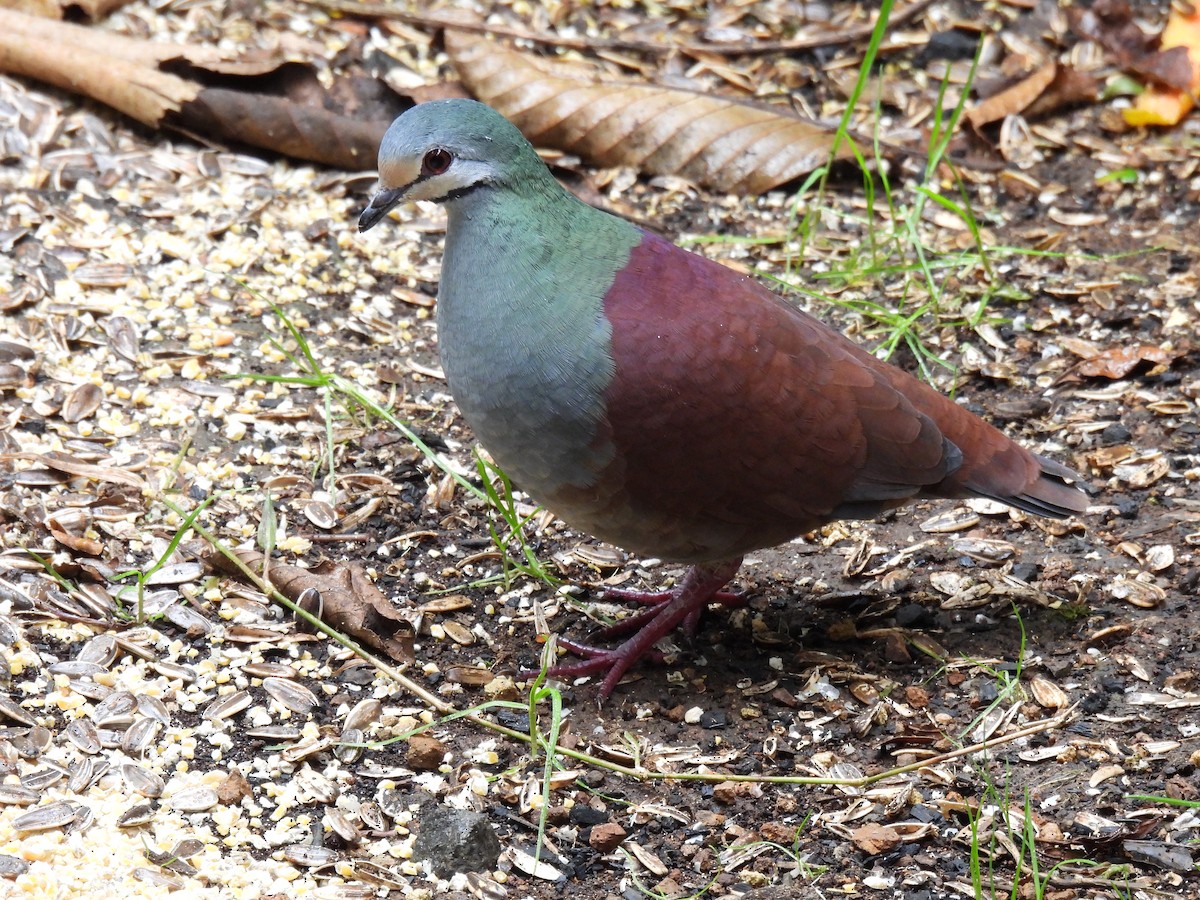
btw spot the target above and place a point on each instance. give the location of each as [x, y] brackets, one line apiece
[1057, 493]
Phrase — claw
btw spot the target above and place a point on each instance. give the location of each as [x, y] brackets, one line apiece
[679, 607]
[656, 599]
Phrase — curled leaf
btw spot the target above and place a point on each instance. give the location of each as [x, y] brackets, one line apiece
[1015, 98]
[1117, 362]
[349, 601]
[258, 99]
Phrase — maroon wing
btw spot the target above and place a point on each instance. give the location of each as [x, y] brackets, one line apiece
[749, 422]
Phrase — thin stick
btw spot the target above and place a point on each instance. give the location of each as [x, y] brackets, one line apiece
[639, 774]
[745, 48]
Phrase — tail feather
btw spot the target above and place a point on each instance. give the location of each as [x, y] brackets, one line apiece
[996, 467]
[990, 464]
[1057, 493]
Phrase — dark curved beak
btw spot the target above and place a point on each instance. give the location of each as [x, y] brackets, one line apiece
[379, 206]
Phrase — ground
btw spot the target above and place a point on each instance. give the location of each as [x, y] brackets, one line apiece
[1025, 689]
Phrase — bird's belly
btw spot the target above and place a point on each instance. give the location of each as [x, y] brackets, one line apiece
[647, 526]
[573, 472]
[540, 444]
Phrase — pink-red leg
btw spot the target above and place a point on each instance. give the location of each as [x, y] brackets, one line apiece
[656, 599]
[681, 605]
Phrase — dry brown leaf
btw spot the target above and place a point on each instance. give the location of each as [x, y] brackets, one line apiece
[73, 541]
[349, 601]
[76, 58]
[1112, 25]
[255, 99]
[298, 121]
[1117, 362]
[1047, 89]
[1013, 99]
[1070, 87]
[38, 34]
[713, 141]
[1167, 104]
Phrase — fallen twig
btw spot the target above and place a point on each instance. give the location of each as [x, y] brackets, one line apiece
[745, 48]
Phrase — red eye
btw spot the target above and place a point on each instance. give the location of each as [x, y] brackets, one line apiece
[436, 162]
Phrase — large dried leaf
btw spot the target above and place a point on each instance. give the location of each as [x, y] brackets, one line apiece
[1162, 60]
[261, 101]
[713, 141]
[294, 115]
[80, 59]
[1051, 87]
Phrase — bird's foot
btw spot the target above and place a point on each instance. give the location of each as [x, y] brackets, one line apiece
[678, 606]
[595, 659]
[656, 599]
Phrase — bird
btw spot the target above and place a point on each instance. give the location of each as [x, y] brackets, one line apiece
[657, 399]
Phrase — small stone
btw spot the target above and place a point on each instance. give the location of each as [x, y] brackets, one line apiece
[728, 792]
[1116, 433]
[558, 814]
[674, 714]
[910, 614]
[426, 752]
[1025, 571]
[780, 832]
[716, 718]
[784, 697]
[12, 866]
[606, 837]
[583, 815]
[455, 840]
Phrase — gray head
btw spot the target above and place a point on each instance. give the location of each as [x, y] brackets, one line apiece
[444, 149]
